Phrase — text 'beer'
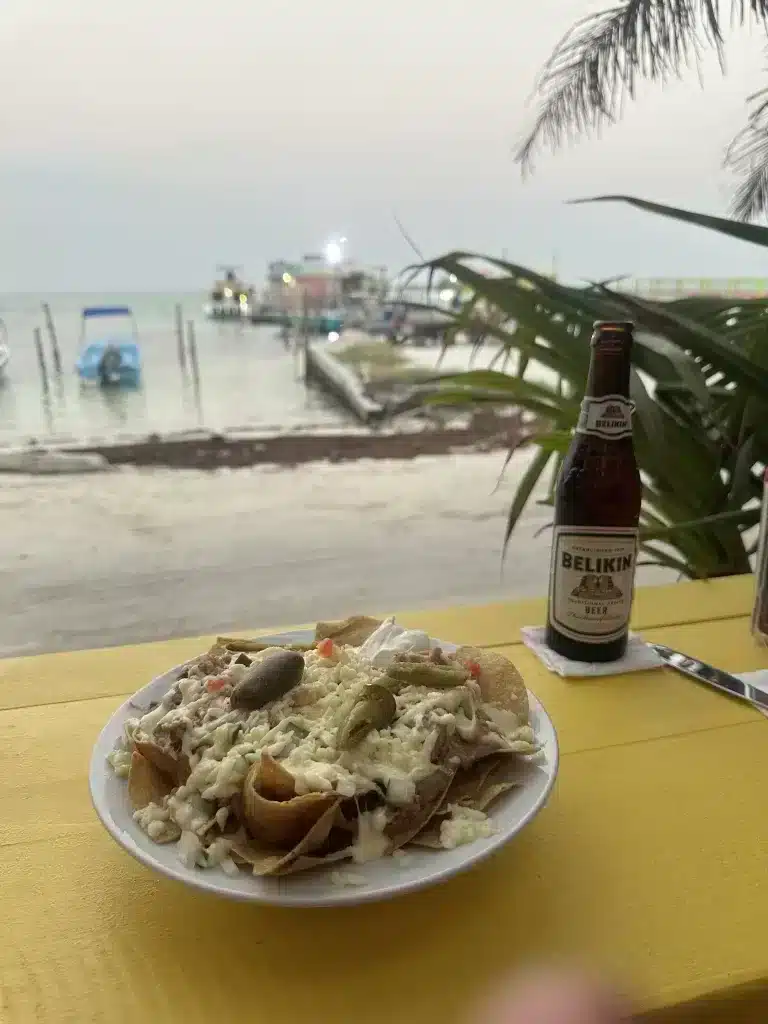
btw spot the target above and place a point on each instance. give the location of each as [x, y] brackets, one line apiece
[597, 509]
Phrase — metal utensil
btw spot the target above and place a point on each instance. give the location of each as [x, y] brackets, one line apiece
[716, 677]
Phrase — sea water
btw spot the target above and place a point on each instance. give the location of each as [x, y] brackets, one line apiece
[249, 379]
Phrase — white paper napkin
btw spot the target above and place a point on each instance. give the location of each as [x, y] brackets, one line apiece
[638, 657]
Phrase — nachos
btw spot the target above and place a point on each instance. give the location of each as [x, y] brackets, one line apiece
[284, 758]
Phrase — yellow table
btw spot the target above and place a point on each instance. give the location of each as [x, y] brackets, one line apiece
[651, 858]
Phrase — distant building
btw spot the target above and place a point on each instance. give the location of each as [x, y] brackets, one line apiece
[665, 289]
[314, 284]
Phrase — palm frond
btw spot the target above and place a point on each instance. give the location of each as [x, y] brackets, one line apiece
[597, 65]
[700, 387]
[747, 157]
[524, 491]
[755, 233]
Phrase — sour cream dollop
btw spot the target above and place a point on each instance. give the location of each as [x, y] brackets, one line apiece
[390, 639]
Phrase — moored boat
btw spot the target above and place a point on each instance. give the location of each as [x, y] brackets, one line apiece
[230, 298]
[113, 360]
[5, 351]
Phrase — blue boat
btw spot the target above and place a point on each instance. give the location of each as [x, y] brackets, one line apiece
[113, 360]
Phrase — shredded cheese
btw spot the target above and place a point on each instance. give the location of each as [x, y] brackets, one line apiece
[465, 825]
[301, 731]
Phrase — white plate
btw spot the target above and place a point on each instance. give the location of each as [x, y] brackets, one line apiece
[381, 879]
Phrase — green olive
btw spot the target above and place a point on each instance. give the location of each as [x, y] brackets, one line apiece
[268, 680]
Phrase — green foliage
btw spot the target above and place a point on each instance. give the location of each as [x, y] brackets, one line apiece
[699, 383]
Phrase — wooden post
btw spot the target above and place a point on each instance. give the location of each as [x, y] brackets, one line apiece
[302, 334]
[53, 339]
[306, 310]
[180, 347]
[195, 368]
[41, 358]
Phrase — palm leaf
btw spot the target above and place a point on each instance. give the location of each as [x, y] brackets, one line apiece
[747, 156]
[754, 233]
[665, 559]
[538, 397]
[524, 491]
[736, 517]
[554, 440]
[700, 385]
[679, 362]
[459, 396]
[599, 63]
[701, 341]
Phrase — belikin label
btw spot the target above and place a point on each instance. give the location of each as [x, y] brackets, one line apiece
[609, 417]
[591, 581]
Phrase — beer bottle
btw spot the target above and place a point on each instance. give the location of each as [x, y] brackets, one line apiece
[597, 509]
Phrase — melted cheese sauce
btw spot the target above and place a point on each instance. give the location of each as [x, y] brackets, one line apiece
[300, 730]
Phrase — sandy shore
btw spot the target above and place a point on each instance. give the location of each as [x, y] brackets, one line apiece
[140, 554]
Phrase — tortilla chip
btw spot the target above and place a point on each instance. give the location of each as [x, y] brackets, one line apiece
[451, 750]
[267, 860]
[466, 789]
[409, 821]
[354, 630]
[281, 821]
[232, 644]
[507, 772]
[146, 783]
[500, 682]
[494, 791]
[468, 783]
[472, 785]
[275, 782]
[429, 839]
[477, 787]
[306, 863]
[176, 768]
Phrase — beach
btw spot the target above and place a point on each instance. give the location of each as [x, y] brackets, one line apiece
[134, 555]
[275, 511]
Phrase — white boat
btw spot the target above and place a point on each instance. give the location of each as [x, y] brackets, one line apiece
[43, 461]
[5, 352]
[230, 297]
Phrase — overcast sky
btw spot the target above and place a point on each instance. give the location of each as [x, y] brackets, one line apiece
[143, 142]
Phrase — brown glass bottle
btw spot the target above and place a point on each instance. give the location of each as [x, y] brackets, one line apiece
[597, 509]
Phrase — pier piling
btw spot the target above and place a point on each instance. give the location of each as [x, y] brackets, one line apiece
[302, 333]
[180, 347]
[195, 369]
[51, 327]
[38, 335]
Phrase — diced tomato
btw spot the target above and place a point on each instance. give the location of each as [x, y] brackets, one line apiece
[325, 647]
[473, 668]
[214, 685]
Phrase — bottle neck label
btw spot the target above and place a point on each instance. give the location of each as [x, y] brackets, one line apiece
[609, 417]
